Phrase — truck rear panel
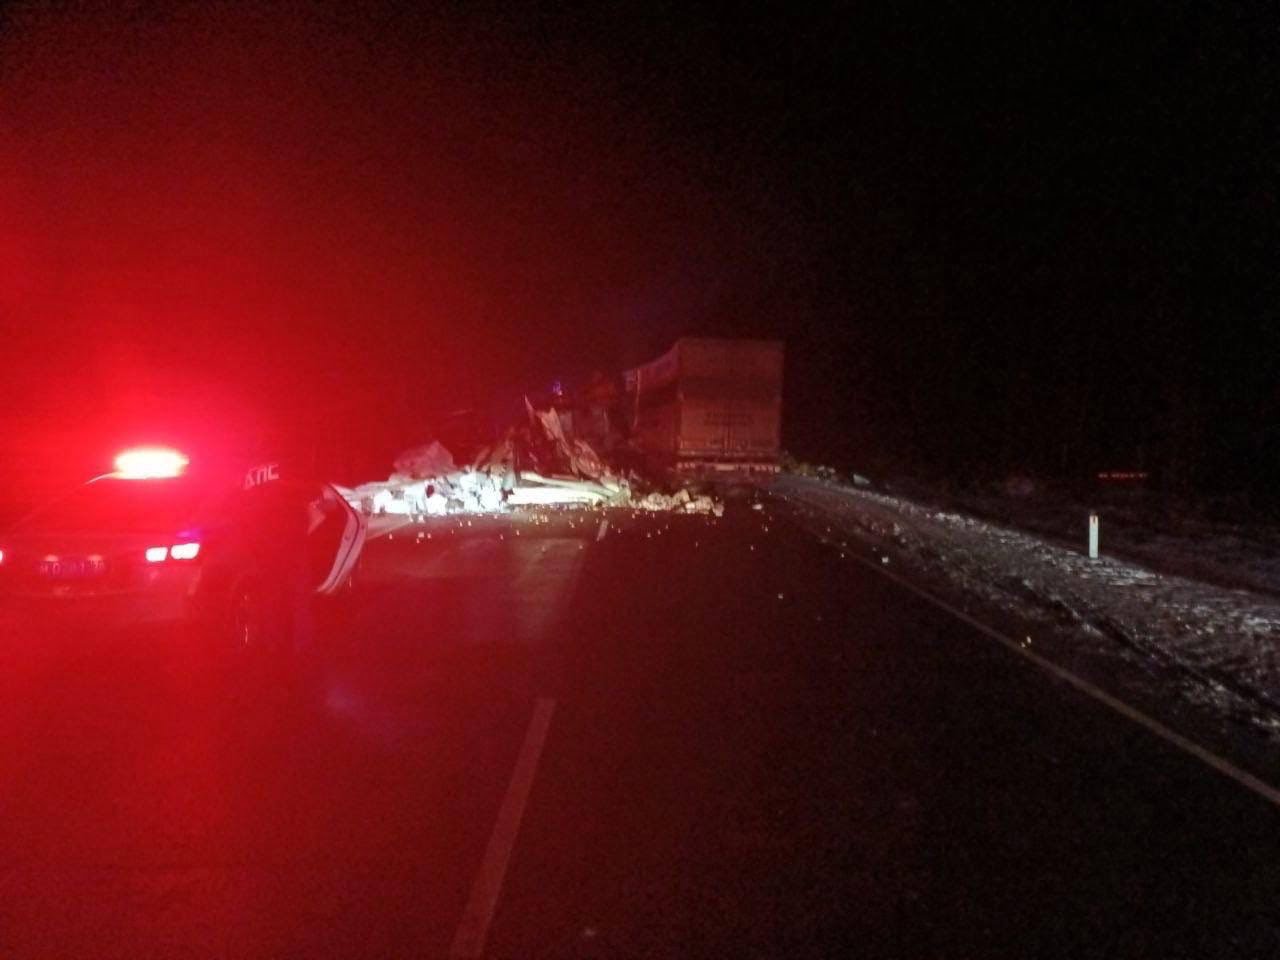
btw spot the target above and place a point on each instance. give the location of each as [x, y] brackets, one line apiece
[711, 406]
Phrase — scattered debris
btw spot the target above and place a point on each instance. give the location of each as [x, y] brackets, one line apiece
[538, 464]
[681, 502]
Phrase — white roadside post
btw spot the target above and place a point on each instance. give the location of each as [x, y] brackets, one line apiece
[1093, 536]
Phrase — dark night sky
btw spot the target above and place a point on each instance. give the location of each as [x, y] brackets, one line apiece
[999, 236]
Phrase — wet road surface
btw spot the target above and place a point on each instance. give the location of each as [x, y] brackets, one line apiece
[670, 737]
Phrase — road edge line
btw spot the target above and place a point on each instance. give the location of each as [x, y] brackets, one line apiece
[473, 929]
[1206, 756]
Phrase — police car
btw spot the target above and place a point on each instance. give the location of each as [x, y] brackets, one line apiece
[162, 541]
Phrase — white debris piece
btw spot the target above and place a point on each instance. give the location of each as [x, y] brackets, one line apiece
[574, 491]
[390, 500]
[477, 492]
[656, 501]
[683, 502]
[547, 496]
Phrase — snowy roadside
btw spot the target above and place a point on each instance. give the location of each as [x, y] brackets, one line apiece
[1217, 648]
[1153, 533]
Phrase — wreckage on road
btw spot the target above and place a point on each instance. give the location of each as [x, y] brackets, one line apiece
[538, 464]
[707, 410]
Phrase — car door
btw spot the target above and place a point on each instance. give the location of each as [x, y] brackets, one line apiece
[343, 532]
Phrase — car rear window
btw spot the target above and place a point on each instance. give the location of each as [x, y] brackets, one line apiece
[122, 506]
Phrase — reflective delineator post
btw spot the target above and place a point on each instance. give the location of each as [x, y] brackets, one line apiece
[1093, 536]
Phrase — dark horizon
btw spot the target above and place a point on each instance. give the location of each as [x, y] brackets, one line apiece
[1011, 240]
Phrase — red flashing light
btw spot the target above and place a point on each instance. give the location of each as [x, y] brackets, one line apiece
[148, 463]
[156, 554]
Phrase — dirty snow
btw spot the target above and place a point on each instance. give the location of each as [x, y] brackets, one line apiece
[1216, 647]
[1149, 529]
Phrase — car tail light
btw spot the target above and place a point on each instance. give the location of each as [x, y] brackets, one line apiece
[179, 551]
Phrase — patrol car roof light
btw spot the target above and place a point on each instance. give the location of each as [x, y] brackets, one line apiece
[147, 463]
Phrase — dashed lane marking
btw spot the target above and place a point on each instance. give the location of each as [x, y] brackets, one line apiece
[473, 930]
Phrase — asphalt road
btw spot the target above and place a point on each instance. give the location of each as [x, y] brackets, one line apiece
[673, 737]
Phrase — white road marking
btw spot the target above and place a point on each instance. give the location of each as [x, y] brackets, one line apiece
[473, 930]
[1224, 766]
[604, 528]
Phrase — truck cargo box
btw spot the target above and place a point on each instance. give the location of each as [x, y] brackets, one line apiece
[710, 406]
